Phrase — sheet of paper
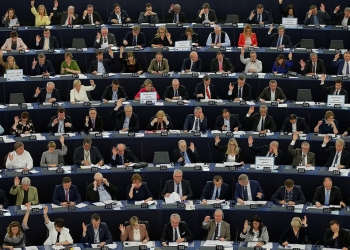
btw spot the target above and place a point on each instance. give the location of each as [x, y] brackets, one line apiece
[267, 245]
[80, 205]
[274, 167]
[33, 171]
[211, 202]
[13, 22]
[254, 202]
[99, 204]
[217, 242]
[149, 202]
[57, 247]
[55, 206]
[340, 170]
[168, 165]
[232, 163]
[31, 248]
[291, 246]
[307, 168]
[172, 198]
[149, 244]
[191, 165]
[176, 244]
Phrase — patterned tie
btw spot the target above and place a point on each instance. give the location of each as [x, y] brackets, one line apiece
[216, 231]
[217, 40]
[314, 68]
[347, 69]
[134, 43]
[336, 159]
[46, 44]
[207, 92]
[66, 195]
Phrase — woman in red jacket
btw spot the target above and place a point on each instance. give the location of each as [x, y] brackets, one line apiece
[247, 38]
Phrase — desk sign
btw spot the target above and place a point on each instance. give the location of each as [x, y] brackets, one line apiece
[70, 26]
[143, 247]
[232, 168]
[23, 106]
[164, 133]
[211, 102]
[301, 171]
[105, 75]
[290, 208]
[336, 172]
[262, 162]
[197, 167]
[206, 24]
[314, 76]
[128, 168]
[98, 135]
[135, 75]
[45, 77]
[345, 77]
[125, 25]
[345, 27]
[14, 75]
[94, 169]
[79, 49]
[219, 247]
[1, 139]
[55, 105]
[180, 102]
[224, 74]
[242, 103]
[50, 51]
[255, 74]
[35, 210]
[229, 134]
[279, 49]
[144, 205]
[305, 105]
[166, 48]
[109, 206]
[285, 76]
[22, 51]
[32, 137]
[163, 167]
[222, 48]
[253, 206]
[131, 134]
[97, 26]
[59, 170]
[257, 248]
[14, 27]
[152, 25]
[25, 172]
[262, 134]
[75, 76]
[149, 102]
[327, 210]
[217, 205]
[72, 208]
[335, 100]
[105, 248]
[179, 25]
[296, 249]
[1, 213]
[86, 104]
[137, 49]
[165, 74]
[308, 50]
[274, 103]
[196, 133]
[317, 27]
[195, 74]
[193, 48]
[65, 135]
[181, 205]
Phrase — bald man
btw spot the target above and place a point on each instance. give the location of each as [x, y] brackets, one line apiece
[122, 156]
[192, 64]
[47, 94]
[101, 189]
[175, 92]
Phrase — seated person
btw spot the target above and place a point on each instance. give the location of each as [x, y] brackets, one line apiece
[271, 150]
[341, 18]
[259, 16]
[162, 38]
[79, 91]
[175, 15]
[205, 90]
[178, 185]
[42, 67]
[122, 156]
[50, 158]
[262, 122]
[289, 194]
[272, 93]
[301, 156]
[69, 66]
[294, 124]
[160, 121]
[312, 66]
[138, 190]
[101, 190]
[196, 121]
[114, 92]
[336, 236]
[96, 232]
[247, 190]
[158, 65]
[147, 87]
[317, 17]
[252, 65]
[206, 15]
[93, 122]
[212, 225]
[281, 65]
[337, 157]
[327, 194]
[218, 38]
[247, 38]
[19, 158]
[280, 39]
[289, 11]
[148, 16]
[13, 43]
[184, 154]
[134, 231]
[192, 64]
[49, 94]
[90, 16]
[328, 125]
[190, 35]
[221, 64]
[215, 190]
[176, 231]
[87, 155]
[130, 64]
[25, 192]
[255, 231]
[23, 125]
[10, 15]
[9, 64]
[66, 194]
[298, 233]
[4, 203]
[104, 39]
[227, 122]
[337, 89]
[61, 123]
[240, 90]
[66, 17]
[175, 92]
[41, 17]
[135, 38]
[100, 65]
[126, 119]
[118, 15]
[47, 41]
[232, 151]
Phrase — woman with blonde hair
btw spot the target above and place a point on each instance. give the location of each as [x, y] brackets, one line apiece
[247, 37]
[162, 38]
[69, 66]
[298, 233]
[190, 35]
[232, 151]
[41, 17]
[328, 125]
[160, 122]
[9, 64]
[134, 231]
[49, 158]
[130, 64]
[78, 93]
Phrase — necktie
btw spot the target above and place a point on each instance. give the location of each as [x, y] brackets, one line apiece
[336, 159]
[262, 124]
[279, 41]
[158, 66]
[314, 68]
[259, 18]
[90, 20]
[93, 123]
[46, 43]
[121, 157]
[217, 40]
[217, 194]
[134, 43]
[58, 237]
[206, 17]
[69, 21]
[115, 96]
[60, 127]
[117, 17]
[149, 19]
[187, 160]
[175, 19]
[191, 65]
[326, 202]
[176, 93]
[240, 92]
[245, 193]
[175, 236]
[178, 189]
[316, 20]
[303, 163]
[66, 195]
[336, 242]
[337, 92]
[207, 92]
[104, 40]
[216, 231]
[220, 65]
[347, 69]
[196, 127]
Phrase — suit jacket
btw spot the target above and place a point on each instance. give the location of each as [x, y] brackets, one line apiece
[269, 123]
[3, 199]
[338, 17]
[186, 188]
[181, 18]
[110, 40]
[183, 230]
[255, 188]
[157, 126]
[334, 199]
[106, 63]
[103, 233]
[54, 129]
[123, 14]
[226, 65]
[95, 18]
[32, 195]
[196, 67]
[143, 19]
[298, 156]
[274, 40]
[246, 92]
[297, 195]
[59, 195]
[195, 37]
[128, 157]
[322, 17]
[141, 39]
[108, 93]
[94, 196]
[238, 157]
[266, 94]
[211, 16]
[153, 66]
[8, 43]
[320, 69]
[225, 231]
[42, 96]
[129, 233]
[182, 92]
[266, 17]
[95, 155]
[53, 43]
[343, 239]
[193, 156]
[339, 64]
[98, 125]
[63, 17]
[330, 152]
[234, 122]
[242, 41]
[200, 89]
[134, 124]
[301, 126]
[189, 122]
[262, 151]
[209, 188]
[40, 70]
[330, 91]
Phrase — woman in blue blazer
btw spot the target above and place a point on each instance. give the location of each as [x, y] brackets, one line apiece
[282, 65]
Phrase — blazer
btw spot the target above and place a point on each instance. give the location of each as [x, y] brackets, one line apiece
[242, 41]
[181, 18]
[128, 157]
[330, 152]
[200, 89]
[269, 123]
[211, 16]
[186, 188]
[298, 156]
[94, 196]
[183, 230]
[225, 231]
[8, 43]
[234, 122]
[182, 92]
[266, 17]
[208, 191]
[255, 188]
[226, 65]
[38, 70]
[140, 40]
[157, 126]
[334, 199]
[339, 64]
[274, 40]
[134, 124]
[54, 129]
[143, 19]
[3, 199]
[53, 43]
[32, 195]
[193, 156]
[42, 96]
[153, 66]
[285, 13]
[123, 14]
[301, 126]
[98, 125]
[196, 67]
[63, 17]
[52, 234]
[246, 92]
[190, 120]
[297, 195]
[6, 22]
[262, 151]
[95, 18]
[195, 37]
[141, 193]
[238, 158]
[320, 69]
[266, 94]
[103, 233]
[322, 18]
[59, 195]
[129, 233]
[291, 238]
[108, 93]
[110, 40]
[343, 239]
[106, 63]
[338, 17]
[95, 155]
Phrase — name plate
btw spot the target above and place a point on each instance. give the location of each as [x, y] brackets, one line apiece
[211, 102]
[105, 75]
[98, 135]
[35, 210]
[267, 169]
[143, 247]
[97, 26]
[25, 172]
[317, 27]
[255, 75]
[59, 170]
[345, 78]
[336, 172]
[280, 49]
[217, 205]
[345, 27]
[103, 248]
[165, 74]
[197, 167]
[14, 27]
[1, 212]
[79, 50]
[32, 137]
[224, 74]
[137, 48]
[128, 168]
[262, 135]
[135, 75]
[206, 24]
[109, 206]
[149, 102]
[314, 76]
[193, 48]
[50, 51]
[45, 77]
[242, 103]
[254, 206]
[131, 134]
[327, 210]
[65, 135]
[163, 167]
[196, 133]
[274, 103]
[181, 205]
[296, 248]
[252, 49]
[144, 205]
[235, 25]
[261, 25]
[306, 105]
[219, 247]
[290, 208]
[257, 248]
[69, 26]
[222, 48]
[55, 105]
[86, 104]
[125, 25]
[337, 106]
[152, 25]
[229, 134]
[179, 25]
[180, 102]
[232, 168]
[308, 50]
[195, 74]
[1, 139]
[301, 171]
[94, 169]
[164, 133]
[23, 106]
[166, 48]
[285, 76]
[72, 208]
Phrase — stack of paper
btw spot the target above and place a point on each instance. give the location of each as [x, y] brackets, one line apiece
[149, 244]
[23, 207]
[292, 246]
[211, 202]
[268, 245]
[307, 168]
[177, 244]
[111, 246]
[248, 203]
[217, 242]
[172, 198]
[148, 202]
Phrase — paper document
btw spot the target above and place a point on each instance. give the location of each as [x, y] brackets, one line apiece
[307, 168]
[149, 244]
[267, 245]
[31, 248]
[111, 246]
[274, 167]
[172, 198]
[57, 247]
[174, 244]
[248, 203]
[168, 165]
[23, 207]
[55, 206]
[217, 242]
[291, 246]
[232, 163]
[13, 22]
[81, 205]
[340, 170]
[148, 202]
[211, 202]
[191, 165]
[321, 207]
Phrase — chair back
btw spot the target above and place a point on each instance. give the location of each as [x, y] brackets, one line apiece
[304, 95]
[161, 157]
[78, 43]
[16, 98]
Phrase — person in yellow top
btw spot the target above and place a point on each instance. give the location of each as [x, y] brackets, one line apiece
[41, 17]
[10, 64]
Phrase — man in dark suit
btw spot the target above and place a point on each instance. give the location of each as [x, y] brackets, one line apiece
[118, 16]
[218, 38]
[42, 67]
[227, 122]
[295, 124]
[93, 122]
[49, 94]
[91, 17]
[342, 18]
[47, 41]
[317, 17]
[336, 237]
[272, 93]
[221, 64]
[66, 194]
[280, 39]
[104, 39]
[206, 15]
[4, 203]
[160, 121]
[126, 119]
[240, 90]
[87, 155]
[66, 17]
[176, 92]
[96, 191]
[135, 38]
[262, 122]
[176, 231]
[242, 193]
[267, 150]
[301, 156]
[215, 190]
[205, 90]
[122, 156]
[148, 16]
[178, 185]
[341, 63]
[259, 16]
[185, 154]
[61, 123]
[337, 89]
[196, 121]
[192, 64]
[328, 194]
[94, 65]
[313, 66]
[336, 155]
[289, 194]
[96, 232]
[175, 15]
[114, 92]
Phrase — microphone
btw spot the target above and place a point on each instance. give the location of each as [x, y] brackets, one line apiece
[297, 44]
[86, 66]
[257, 91]
[25, 60]
[314, 247]
[61, 37]
[86, 198]
[271, 16]
[160, 186]
[236, 236]
[146, 61]
[211, 160]
[142, 151]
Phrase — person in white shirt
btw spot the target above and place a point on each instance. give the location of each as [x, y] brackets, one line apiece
[252, 65]
[78, 93]
[19, 158]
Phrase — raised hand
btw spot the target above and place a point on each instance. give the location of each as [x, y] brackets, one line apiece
[337, 8]
[271, 28]
[37, 91]
[192, 146]
[251, 110]
[231, 87]
[323, 77]
[34, 63]
[309, 13]
[326, 139]
[168, 35]
[302, 63]
[252, 15]
[319, 123]
[46, 209]
[304, 221]
[32, 3]
[85, 13]
[92, 83]
[322, 7]
[336, 57]
[280, 1]
[98, 36]
[121, 48]
[295, 137]
[37, 39]
[172, 7]
[114, 151]
[206, 218]
[87, 119]
[250, 140]
[110, 53]
[246, 225]
[61, 139]
[84, 227]
[16, 181]
[290, 56]
[122, 228]
[242, 50]
[217, 139]
[16, 119]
